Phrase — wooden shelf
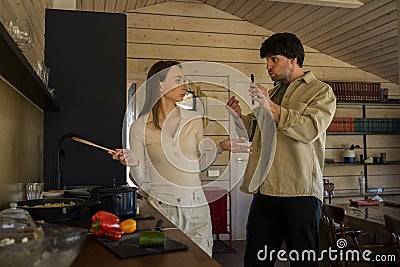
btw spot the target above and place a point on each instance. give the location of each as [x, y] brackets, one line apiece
[16, 70]
[363, 112]
[360, 133]
[346, 195]
[384, 163]
[392, 102]
[360, 164]
[342, 164]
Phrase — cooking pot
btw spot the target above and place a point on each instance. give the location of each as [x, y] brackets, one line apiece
[53, 212]
[119, 200]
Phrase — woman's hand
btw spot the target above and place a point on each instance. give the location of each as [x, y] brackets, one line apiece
[236, 145]
[125, 157]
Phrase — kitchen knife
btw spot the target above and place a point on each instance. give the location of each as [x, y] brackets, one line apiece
[160, 226]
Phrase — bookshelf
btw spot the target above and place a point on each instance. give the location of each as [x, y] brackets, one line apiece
[373, 123]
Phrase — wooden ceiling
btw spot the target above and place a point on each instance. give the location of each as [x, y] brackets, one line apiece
[364, 33]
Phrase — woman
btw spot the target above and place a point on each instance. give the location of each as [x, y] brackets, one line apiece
[167, 154]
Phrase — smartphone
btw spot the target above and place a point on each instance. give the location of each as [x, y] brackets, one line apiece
[252, 80]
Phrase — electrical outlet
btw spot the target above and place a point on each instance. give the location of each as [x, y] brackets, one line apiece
[213, 173]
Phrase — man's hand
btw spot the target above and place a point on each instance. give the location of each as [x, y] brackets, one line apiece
[260, 94]
[233, 107]
[125, 157]
[235, 111]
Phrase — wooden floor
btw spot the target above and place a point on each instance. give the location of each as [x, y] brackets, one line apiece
[236, 259]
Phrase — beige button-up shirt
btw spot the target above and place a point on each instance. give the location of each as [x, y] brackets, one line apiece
[307, 109]
[169, 166]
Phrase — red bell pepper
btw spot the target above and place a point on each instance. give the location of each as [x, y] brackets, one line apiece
[114, 235]
[103, 221]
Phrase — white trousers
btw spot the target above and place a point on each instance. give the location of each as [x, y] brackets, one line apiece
[195, 222]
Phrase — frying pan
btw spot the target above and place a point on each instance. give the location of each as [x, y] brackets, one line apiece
[54, 214]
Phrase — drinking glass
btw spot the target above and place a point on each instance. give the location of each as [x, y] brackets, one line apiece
[34, 190]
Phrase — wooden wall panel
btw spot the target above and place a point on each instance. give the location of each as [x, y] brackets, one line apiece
[343, 183]
[327, 73]
[194, 31]
[383, 112]
[177, 23]
[192, 38]
[343, 170]
[345, 112]
[216, 128]
[390, 181]
[186, 31]
[388, 141]
[336, 141]
[383, 169]
[223, 54]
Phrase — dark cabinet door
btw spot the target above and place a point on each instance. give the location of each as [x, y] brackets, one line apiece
[86, 54]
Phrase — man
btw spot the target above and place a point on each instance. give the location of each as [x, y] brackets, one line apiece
[287, 205]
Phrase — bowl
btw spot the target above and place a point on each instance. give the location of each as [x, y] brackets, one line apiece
[60, 246]
[53, 193]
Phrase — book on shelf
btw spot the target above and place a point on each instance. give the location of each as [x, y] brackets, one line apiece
[365, 125]
[359, 91]
[341, 125]
[330, 161]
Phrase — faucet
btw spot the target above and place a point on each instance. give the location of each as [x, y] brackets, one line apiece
[59, 181]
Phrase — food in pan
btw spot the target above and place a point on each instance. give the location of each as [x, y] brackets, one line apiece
[52, 205]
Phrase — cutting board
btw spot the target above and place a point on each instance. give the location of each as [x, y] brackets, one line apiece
[128, 246]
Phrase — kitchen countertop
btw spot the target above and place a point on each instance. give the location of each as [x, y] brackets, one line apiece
[95, 254]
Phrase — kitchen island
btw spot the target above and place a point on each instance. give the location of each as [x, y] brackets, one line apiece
[96, 254]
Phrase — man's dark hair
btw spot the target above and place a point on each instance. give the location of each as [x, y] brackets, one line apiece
[285, 44]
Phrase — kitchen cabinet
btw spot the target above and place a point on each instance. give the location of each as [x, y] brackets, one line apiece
[17, 71]
[372, 126]
[86, 52]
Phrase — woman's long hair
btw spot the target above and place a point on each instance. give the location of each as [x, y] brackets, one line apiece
[156, 74]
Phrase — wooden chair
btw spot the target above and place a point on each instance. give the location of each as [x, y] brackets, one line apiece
[328, 187]
[393, 226]
[333, 223]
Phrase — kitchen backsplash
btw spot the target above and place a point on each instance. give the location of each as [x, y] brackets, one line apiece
[21, 141]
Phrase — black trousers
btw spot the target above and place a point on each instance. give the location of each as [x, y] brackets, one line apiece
[273, 220]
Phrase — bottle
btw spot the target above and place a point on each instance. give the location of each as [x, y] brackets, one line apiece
[361, 181]
[375, 190]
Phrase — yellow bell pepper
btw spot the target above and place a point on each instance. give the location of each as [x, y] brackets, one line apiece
[128, 226]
